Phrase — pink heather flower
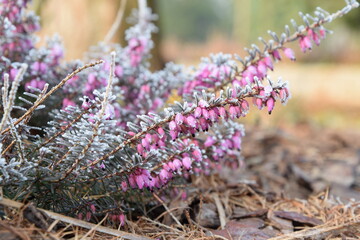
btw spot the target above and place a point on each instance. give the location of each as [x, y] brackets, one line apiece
[80, 216]
[268, 62]
[39, 84]
[213, 115]
[236, 142]
[132, 181]
[244, 106]
[258, 102]
[289, 53]
[172, 166]
[305, 43]
[149, 137]
[179, 119]
[139, 181]
[233, 112]
[183, 196]
[203, 104]
[122, 219]
[124, 186]
[186, 161]
[284, 94]
[197, 112]
[177, 163]
[205, 113]
[252, 70]
[204, 124]
[145, 143]
[209, 141]
[314, 36]
[88, 216]
[276, 55]
[86, 103]
[173, 126]
[173, 134]
[270, 104]
[13, 73]
[222, 113]
[67, 102]
[322, 33]
[39, 68]
[109, 112]
[72, 81]
[191, 121]
[261, 69]
[164, 175]
[57, 51]
[197, 155]
[166, 167]
[247, 77]
[161, 132]
[119, 71]
[92, 208]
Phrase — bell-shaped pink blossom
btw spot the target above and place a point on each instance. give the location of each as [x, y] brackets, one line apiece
[124, 186]
[209, 141]
[191, 121]
[269, 63]
[179, 119]
[305, 43]
[270, 104]
[289, 53]
[186, 161]
[197, 112]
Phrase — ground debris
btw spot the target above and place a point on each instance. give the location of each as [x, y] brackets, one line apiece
[297, 183]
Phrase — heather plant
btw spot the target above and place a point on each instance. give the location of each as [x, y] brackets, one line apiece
[89, 139]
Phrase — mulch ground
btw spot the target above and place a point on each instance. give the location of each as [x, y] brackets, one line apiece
[297, 183]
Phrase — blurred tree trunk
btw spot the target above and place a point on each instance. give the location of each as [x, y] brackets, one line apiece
[157, 60]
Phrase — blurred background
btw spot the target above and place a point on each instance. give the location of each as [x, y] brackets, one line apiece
[325, 83]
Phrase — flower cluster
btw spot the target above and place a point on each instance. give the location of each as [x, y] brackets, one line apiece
[110, 130]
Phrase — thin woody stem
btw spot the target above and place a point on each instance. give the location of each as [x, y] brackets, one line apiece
[54, 89]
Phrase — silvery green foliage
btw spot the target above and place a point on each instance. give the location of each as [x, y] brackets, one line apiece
[110, 131]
